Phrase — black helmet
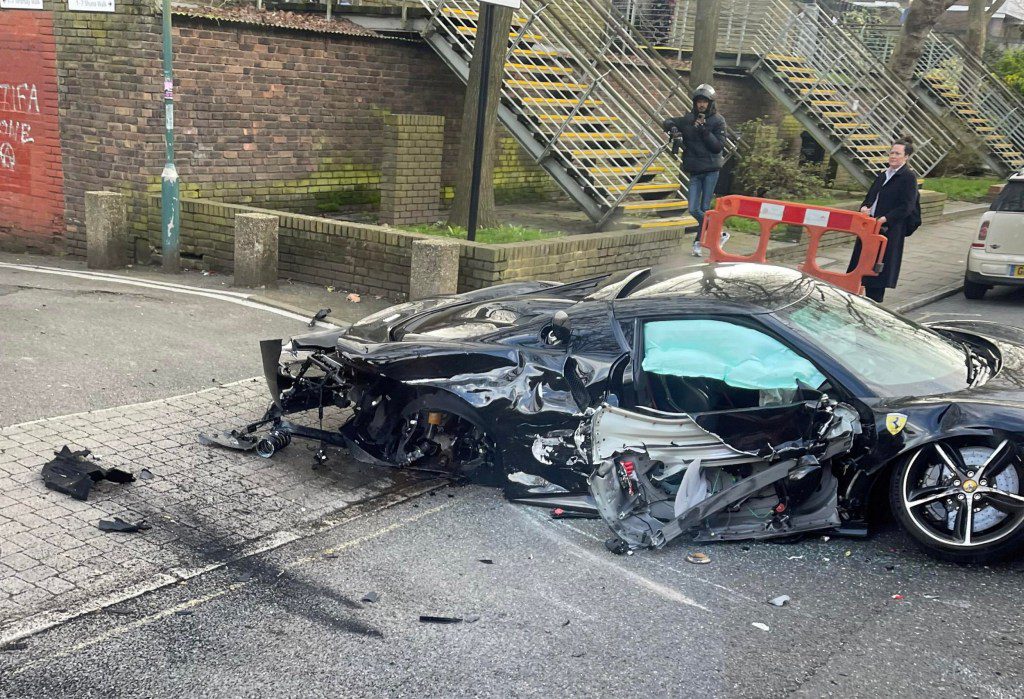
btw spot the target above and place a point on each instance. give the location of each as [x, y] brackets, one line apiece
[705, 91]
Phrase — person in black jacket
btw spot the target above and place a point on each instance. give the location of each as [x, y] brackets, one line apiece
[893, 200]
[702, 133]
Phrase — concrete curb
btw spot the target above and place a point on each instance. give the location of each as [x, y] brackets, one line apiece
[929, 298]
[975, 210]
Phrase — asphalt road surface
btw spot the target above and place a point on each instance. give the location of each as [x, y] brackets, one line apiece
[552, 613]
[68, 344]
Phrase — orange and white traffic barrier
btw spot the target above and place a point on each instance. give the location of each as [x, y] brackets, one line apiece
[816, 220]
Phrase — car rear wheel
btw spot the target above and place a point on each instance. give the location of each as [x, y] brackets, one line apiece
[962, 501]
[975, 290]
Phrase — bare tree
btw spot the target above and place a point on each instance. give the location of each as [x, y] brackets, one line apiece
[921, 19]
[486, 215]
[705, 42]
[979, 14]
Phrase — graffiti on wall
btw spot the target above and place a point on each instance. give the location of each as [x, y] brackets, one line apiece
[31, 169]
[22, 101]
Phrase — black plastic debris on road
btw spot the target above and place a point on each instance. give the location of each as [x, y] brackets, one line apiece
[371, 597]
[145, 475]
[232, 439]
[487, 561]
[15, 645]
[119, 525]
[430, 619]
[72, 473]
[319, 315]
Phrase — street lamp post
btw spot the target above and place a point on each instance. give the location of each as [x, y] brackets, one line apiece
[169, 214]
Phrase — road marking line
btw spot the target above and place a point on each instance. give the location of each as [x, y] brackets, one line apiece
[575, 549]
[229, 296]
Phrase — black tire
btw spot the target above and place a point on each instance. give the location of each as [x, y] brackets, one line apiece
[975, 290]
[939, 524]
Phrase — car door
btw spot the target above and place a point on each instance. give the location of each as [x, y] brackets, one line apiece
[728, 376]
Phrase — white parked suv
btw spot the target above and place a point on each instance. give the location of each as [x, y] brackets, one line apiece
[996, 257]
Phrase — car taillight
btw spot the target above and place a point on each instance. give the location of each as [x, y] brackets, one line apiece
[982, 234]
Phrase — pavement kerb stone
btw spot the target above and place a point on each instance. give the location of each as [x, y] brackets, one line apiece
[926, 299]
[38, 623]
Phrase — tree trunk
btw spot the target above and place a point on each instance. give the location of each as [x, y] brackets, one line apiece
[977, 26]
[705, 42]
[486, 215]
[921, 19]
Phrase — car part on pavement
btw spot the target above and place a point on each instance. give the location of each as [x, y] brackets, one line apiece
[72, 473]
[119, 525]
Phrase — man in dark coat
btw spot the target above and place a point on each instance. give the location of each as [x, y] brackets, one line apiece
[893, 200]
[703, 139]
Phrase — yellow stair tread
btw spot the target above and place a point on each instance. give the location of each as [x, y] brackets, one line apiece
[800, 81]
[850, 125]
[625, 170]
[866, 149]
[795, 69]
[530, 68]
[784, 57]
[683, 221]
[841, 115]
[863, 136]
[647, 188]
[597, 135]
[660, 205]
[609, 152]
[512, 35]
[829, 103]
[984, 128]
[578, 119]
[473, 14]
[534, 52]
[817, 91]
[558, 100]
[545, 85]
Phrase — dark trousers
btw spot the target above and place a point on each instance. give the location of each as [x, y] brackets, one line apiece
[875, 293]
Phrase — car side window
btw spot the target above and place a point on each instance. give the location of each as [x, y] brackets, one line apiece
[703, 365]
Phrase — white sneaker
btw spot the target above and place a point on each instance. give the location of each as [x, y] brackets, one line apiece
[696, 248]
[725, 238]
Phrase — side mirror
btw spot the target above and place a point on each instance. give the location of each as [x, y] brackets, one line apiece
[560, 329]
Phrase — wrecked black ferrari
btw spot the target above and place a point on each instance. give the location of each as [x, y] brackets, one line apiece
[732, 401]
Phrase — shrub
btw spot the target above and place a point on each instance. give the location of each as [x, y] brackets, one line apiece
[1010, 67]
[763, 169]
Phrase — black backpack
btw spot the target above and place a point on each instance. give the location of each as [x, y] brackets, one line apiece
[914, 219]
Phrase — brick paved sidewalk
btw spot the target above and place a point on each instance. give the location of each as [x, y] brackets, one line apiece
[206, 505]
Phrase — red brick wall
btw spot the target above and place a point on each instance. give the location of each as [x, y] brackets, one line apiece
[31, 178]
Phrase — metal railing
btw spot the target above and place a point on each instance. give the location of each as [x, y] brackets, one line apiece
[827, 71]
[960, 81]
[669, 24]
[587, 86]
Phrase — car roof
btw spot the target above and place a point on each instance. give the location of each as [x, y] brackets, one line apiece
[727, 287]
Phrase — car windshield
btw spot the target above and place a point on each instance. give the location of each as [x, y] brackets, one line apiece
[891, 355]
[1011, 198]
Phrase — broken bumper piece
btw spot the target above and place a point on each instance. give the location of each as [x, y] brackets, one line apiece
[72, 473]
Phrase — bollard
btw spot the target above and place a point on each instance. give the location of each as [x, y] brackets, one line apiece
[434, 269]
[255, 250]
[106, 230]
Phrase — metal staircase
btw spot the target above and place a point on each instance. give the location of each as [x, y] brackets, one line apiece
[851, 104]
[586, 100]
[958, 88]
[839, 91]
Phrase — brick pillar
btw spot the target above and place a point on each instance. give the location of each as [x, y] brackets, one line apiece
[434, 269]
[106, 230]
[255, 250]
[410, 182]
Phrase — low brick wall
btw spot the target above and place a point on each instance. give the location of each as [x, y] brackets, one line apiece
[376, 259]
